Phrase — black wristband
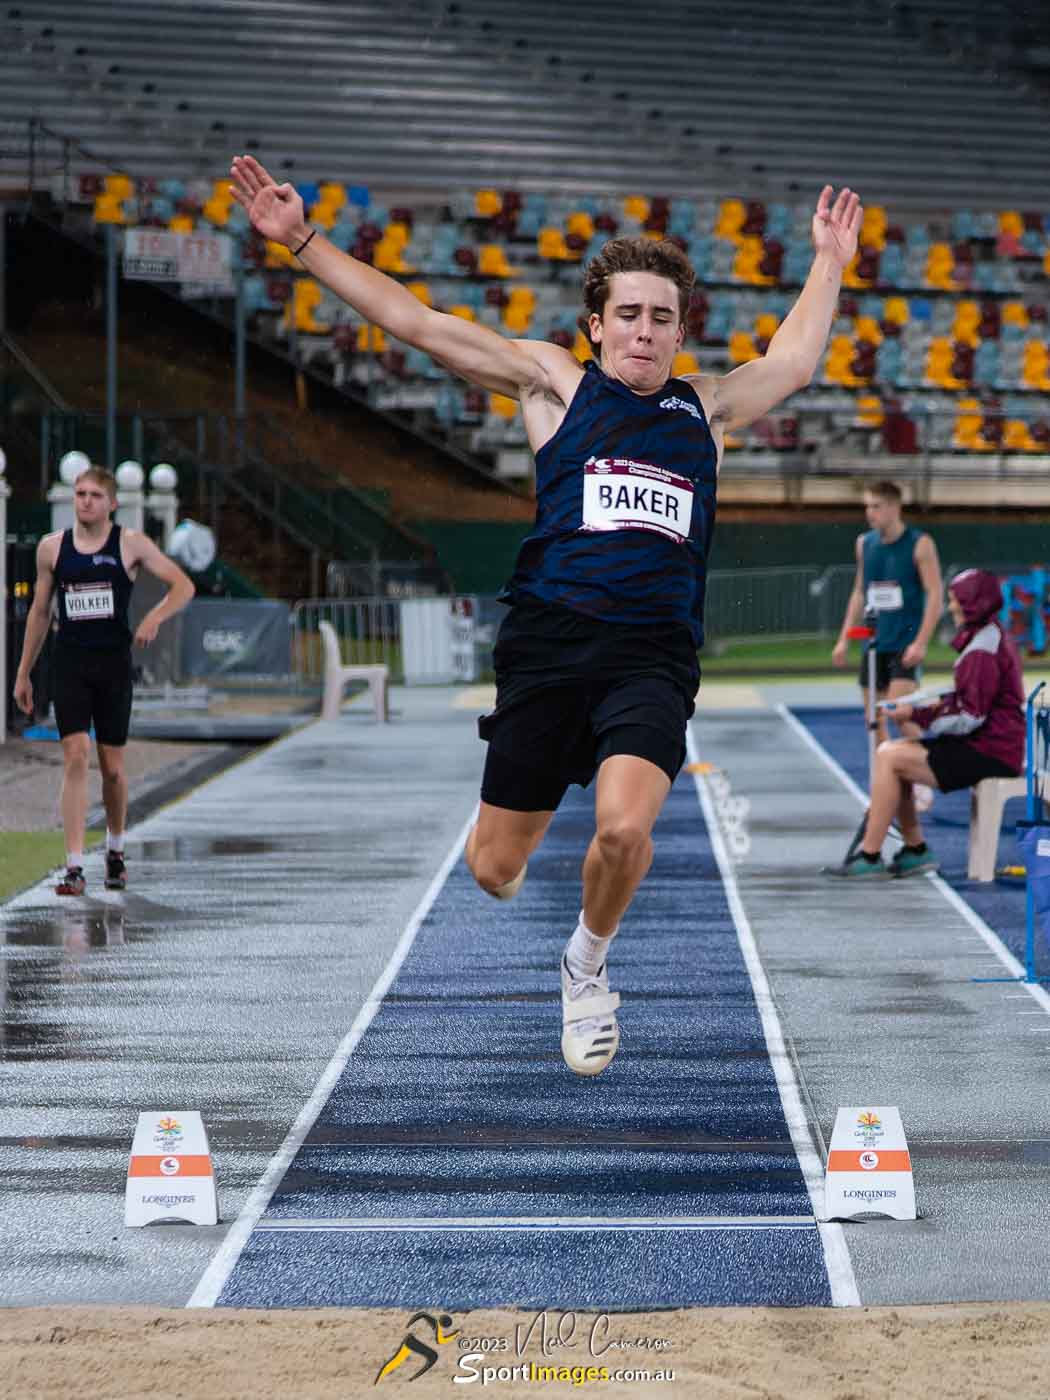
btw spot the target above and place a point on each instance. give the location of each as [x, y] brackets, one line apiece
[303, 244]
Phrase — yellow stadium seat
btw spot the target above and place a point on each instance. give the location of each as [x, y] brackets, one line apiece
[305, 299]
[1017, 438]
[581, 223]
[551, 245]
[333, 193]
[896, 309]
[119, 186]
[397, 232]
[277, 255]
[217, 211]
[517, 316]
[968, 423]
[873, 228]
[109, 209]
[870, 412]
[1013, 313]
[1011, 223]
[492, 261]
[731, 217]
[185, 223]
[940, 263]
[581, 348]
[387, 256]
[371, 338]
[323, 214]
[741, 348]
[766, 325]
[421, 291]
[868, 329]
[522, 296]
[502, 406]
[487, 203]
[685, 362]
[1034, 370]
[636, 206]
[465, 313]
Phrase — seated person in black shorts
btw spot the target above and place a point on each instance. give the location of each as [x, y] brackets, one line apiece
[89, 571]
[976, 731]
[596, 661]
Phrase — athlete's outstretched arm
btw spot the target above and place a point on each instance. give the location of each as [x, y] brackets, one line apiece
[794, 352]
[470, 350]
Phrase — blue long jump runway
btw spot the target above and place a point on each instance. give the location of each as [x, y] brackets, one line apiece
[457, 1162]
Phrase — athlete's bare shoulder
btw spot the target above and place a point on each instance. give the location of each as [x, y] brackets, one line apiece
[47, 549]
[705, 387]
[559, 371]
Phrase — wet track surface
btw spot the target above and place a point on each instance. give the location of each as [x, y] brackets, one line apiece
[264, 907]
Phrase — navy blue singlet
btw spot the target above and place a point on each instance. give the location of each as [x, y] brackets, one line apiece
[93, 591]
[625, 507]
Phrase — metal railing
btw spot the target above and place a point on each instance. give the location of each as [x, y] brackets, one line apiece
[369, 630]
[781, 602]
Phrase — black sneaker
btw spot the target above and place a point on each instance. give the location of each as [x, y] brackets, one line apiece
[116, 871]
[72, 882]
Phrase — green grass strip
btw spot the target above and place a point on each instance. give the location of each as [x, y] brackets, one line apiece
[27, 856]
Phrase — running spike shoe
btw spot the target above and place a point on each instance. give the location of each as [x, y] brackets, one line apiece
[860, 869]
[589, 1035]
[116, 871]
[906, 863]
[72, 882]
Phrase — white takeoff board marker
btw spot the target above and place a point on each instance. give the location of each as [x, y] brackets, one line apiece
[869, 1166]
[170, 1174]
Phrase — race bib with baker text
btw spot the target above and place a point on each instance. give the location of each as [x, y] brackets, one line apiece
[619, 494]
[86, 602]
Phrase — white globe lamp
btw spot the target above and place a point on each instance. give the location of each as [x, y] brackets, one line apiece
[130, 476]
[163, 477]
[71, 465]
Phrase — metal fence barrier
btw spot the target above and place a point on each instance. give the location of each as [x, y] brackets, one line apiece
[777, 602]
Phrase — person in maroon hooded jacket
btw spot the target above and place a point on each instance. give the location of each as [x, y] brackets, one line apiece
[975, 731]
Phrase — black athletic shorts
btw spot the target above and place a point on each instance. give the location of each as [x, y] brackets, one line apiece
[888, 668]
[93, 687]
[571, 691]
[955, 763]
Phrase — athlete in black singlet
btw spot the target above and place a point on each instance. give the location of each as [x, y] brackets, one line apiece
[614, 569]
[89, 571]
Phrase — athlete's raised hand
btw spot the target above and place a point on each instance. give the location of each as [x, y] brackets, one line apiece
[836, 226]
[275, 210]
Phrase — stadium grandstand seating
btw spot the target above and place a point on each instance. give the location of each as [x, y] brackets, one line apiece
[439, 94]
[942, 348]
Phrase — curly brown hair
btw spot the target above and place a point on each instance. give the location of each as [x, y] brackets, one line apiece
[659, 256]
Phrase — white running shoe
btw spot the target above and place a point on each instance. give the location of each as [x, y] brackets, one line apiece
[589, 1035]
[511, 888]
[923, 795]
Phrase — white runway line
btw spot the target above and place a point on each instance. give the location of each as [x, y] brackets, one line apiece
[590, 1223]
[844, 1292]
[1001, 952]
[220, 1268]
